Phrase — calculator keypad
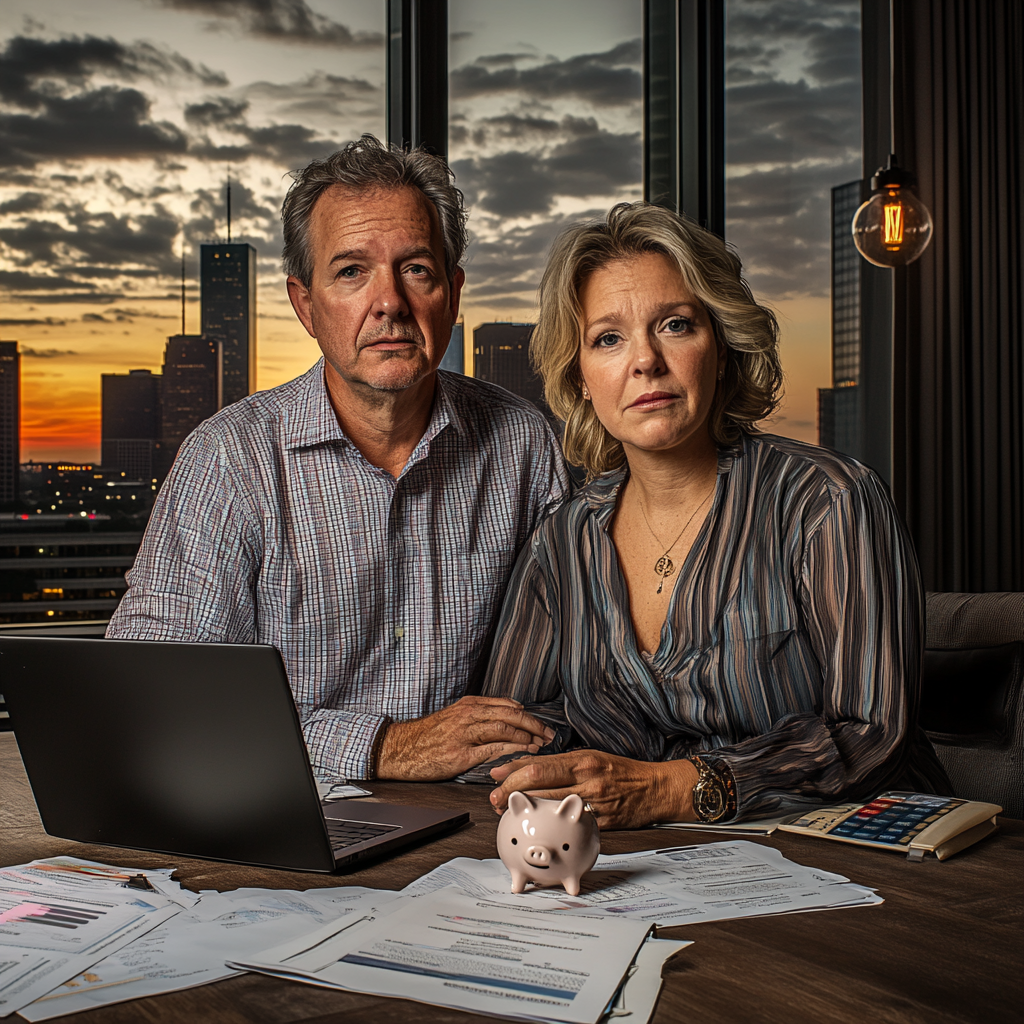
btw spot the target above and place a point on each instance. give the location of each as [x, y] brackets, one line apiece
[894, 821]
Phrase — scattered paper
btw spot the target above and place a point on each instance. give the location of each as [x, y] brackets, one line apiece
[77, 934]
[331, 791]
[54, 925]
[451, 950]
[191, 948]
[714, 882]
[639, 995]
[753, 827]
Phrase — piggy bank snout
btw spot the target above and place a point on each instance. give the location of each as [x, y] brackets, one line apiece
[539, 856]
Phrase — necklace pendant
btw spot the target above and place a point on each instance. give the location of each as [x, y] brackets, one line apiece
[664, 567]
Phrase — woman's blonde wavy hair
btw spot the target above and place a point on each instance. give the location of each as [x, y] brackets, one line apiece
[751, 387]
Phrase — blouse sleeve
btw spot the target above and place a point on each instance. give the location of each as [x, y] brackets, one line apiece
[524, 660]
[860, 600]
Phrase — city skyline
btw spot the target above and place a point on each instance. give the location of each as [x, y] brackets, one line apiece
[124, 120]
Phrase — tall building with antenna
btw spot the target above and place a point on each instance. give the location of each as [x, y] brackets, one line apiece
[10, 419]
[227, 277]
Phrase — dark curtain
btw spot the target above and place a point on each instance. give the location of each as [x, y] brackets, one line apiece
[958, 385]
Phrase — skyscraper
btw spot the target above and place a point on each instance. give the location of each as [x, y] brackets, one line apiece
[189, 391]
[454, 356]
[501, 355]
[227, 277]
[131, 422]
[839, 416]
[10, 419]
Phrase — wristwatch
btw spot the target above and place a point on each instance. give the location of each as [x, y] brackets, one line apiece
[714, 796]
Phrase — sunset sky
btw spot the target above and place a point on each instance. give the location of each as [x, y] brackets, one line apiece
[120, 121]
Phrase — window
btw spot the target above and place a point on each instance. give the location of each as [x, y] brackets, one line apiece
[545, 110]
[793, 114]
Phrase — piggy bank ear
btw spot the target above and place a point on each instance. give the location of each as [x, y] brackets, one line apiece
[571, 807]
[520, 803]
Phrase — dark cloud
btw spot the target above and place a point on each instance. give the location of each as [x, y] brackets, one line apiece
[797, 20]
[16, 280]
[26, 63]
[57, 298]
[604, 79]
[786, 122]
[798, 132]
[97, 238]
[135, 313]
[258, 217]
[50, 321]
[52, 110]
[779, 221]
[47, 353]
[321, 95]
[509, 268]
[219, 111]
[108, 122]
[27, 202]
[291, 145]
[520, 183]
[291, 21]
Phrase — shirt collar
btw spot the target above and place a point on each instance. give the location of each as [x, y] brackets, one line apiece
[310, 417]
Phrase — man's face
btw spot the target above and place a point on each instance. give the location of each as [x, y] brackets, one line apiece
[379, 303]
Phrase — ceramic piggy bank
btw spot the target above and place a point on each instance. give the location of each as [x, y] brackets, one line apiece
[547, 842]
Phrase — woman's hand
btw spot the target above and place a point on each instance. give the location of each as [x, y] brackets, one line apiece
[623, 793]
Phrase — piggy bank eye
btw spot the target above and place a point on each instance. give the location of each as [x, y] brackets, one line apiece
[565, 846]
[515, 842]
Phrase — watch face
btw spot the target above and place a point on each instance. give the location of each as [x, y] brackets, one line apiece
[709, 799]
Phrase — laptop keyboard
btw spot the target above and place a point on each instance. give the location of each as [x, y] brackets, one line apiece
[348, 833]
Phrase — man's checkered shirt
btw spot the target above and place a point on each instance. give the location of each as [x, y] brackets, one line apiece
[382, 595]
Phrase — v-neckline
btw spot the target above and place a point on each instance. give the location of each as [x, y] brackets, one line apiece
[621, 605]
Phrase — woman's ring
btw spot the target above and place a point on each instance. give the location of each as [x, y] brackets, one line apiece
[589, 809]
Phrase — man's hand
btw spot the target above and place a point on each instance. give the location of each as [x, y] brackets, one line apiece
[457, 738]
[623, 793]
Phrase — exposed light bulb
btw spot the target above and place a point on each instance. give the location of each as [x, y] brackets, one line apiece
[893, 227]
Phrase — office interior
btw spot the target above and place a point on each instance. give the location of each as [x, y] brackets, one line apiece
[938, 403]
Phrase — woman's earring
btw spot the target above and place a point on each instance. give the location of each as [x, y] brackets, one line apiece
[586, 393]
[721, 374]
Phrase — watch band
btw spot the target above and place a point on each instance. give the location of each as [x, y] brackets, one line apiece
[714, 795]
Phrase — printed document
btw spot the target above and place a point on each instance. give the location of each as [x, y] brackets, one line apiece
[715, 882]
[55, 925]
[452, 950]
[191, 948]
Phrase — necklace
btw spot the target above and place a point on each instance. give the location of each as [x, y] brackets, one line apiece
[664, 566]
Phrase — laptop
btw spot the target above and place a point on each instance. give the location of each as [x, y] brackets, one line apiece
[188, 749]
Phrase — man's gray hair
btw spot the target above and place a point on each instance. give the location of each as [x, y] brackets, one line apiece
[368, 165]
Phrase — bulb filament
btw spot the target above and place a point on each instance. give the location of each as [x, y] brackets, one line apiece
[893, 223]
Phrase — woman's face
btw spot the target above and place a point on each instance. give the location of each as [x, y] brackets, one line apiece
[648, 355]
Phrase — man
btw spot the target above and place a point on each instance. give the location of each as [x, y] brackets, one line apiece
[365, 517]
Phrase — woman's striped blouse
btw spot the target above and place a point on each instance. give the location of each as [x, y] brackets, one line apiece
[791, 649]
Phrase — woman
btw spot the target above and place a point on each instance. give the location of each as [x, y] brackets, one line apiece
[729, 622]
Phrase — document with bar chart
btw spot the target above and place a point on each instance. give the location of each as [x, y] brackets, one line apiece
[51, 931]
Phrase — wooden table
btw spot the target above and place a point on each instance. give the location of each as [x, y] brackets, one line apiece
[945, 946]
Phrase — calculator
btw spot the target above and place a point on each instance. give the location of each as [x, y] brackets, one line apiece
[916, 823]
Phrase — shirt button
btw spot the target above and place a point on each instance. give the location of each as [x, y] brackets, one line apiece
[399, 632]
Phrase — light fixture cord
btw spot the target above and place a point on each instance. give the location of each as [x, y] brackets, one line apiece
[892, 78]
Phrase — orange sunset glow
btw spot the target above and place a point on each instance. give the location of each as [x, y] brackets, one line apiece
[124, 120]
